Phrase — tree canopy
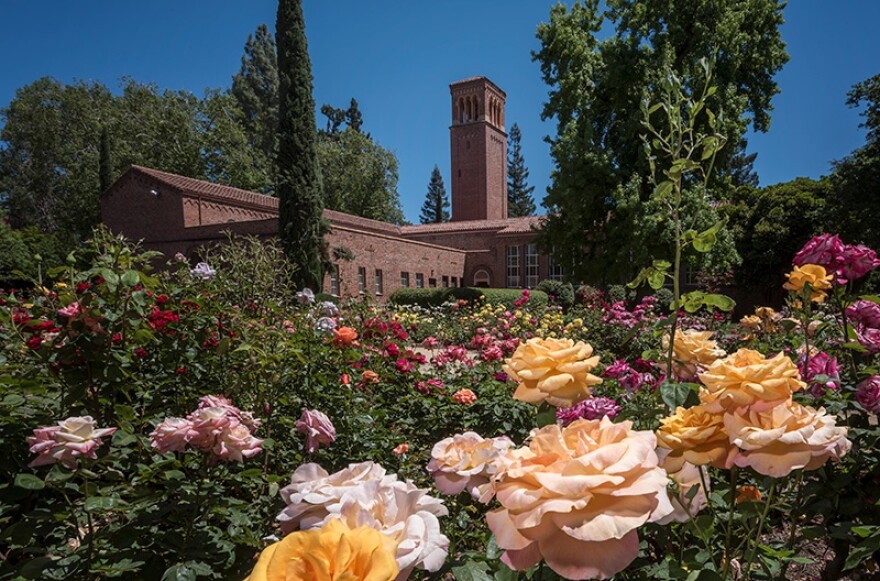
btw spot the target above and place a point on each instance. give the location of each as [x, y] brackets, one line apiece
[519, 193]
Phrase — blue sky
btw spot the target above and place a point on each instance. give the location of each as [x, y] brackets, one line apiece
[398, 57]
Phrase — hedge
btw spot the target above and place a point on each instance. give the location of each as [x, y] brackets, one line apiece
[433, 297]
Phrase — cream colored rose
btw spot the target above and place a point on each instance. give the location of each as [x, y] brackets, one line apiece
[465, 462]
[684, 476]
[576, 496]
[553, 370]
[693, 352]
[695, 436]
[784, 438]
[747, 378]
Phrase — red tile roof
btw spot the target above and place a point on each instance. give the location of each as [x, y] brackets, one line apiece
[221, 193]
[503, 226]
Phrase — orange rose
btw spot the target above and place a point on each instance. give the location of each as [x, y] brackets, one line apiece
[784, 438]
[344, 336]
[553, 370]
[576, 496]
[747, 378]
[369, 377]
[696, 436]
[692, 353]
[464, 396]
[809, 274]
[748, 494]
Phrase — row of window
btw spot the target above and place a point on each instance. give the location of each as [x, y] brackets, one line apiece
[379, 281]
[514, 269]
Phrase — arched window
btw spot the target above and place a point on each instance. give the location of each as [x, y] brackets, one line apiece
[460, 110]
[481, 278]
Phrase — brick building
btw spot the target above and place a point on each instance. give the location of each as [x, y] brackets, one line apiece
[480, 246]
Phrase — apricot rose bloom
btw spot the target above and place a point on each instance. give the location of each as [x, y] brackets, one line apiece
[812, 274]
[784, 438]
[553, 370]
[332, 553]
[576, 496]
[344, 336]
[696, 436]
[747, 378]
[466, 462]
[692, 353]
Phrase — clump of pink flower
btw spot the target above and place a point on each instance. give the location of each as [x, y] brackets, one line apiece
[453, 353]
[847, 262]
[632, 378]
[618, 314]
[594, 408]
[317, 427]
[216, 426]
[820, 364]
[868, 394]
[74, 438]
[523, 299]
[865, 317]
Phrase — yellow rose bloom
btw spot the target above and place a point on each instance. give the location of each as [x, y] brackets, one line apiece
[747, 378]
[750, 322]
[692, 353]
[332, 553]
[553, 370]
[695, 435]
[812, 274]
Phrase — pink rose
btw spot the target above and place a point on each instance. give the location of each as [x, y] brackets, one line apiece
[70, 311]
[858, 261]
[172, 435]
[70, 440]
[318, 429]
[236, 443]
[825, 250]
[868, 394]
[864, 313]
[207, 424]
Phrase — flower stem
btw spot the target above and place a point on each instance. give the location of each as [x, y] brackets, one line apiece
[728, 535]
[757, 539]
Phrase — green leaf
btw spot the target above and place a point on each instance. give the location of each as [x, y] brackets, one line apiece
[677, 394]
[97, 503]
[723, 302]
[472, 571]
[130, 278]
[663, 189]
[656, 279]
[29, 481]
[546, 415]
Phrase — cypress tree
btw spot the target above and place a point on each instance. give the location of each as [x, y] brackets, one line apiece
[105, 161]
[519, 193]
[436, 206]
[299, 182]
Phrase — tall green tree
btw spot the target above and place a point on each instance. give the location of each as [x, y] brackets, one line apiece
[436, 207]
[299, 181]
[519, 193]
[599, 181]
[856, 177]
[105, 161]
[359, 176]
[255, 88]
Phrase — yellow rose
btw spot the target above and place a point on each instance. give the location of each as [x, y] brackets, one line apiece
[784, 438]
[692, 353]
[576, 496]
[750, 322]
[695, 435]
[747, 378]
[332, 553]
[812, 274]
[553, 370]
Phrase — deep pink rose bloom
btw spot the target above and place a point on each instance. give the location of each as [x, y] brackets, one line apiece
[865, 313]
[172, 435]
[318, 429]
[826, 250]
[74, 438]
[858, 261]
[616, 369]
[492, 353]
[868, 394]
[868, 337]
[589, 409]
[820, 364]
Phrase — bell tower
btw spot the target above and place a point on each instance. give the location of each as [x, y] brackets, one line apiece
[479, 150]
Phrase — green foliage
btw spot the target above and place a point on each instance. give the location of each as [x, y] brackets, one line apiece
[597, 199]
[560, 293]
[434, 297]
[299, 180]
[359, 176]
[436, 206]
[519, 193]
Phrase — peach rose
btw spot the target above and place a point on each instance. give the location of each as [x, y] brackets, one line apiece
[695, 436]
[464, 396]
[344, 336]
[465, 462]
[553, 370]
[750, 321]
[332, 553]
[784, 438]
[575, 497]
[692, 353]
[685, 476]
[747, 378]
[812, 274]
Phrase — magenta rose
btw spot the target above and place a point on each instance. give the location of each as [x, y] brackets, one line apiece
[858, 261]
[820, 364]
[868, 394]
[825, 250]
[865, 313]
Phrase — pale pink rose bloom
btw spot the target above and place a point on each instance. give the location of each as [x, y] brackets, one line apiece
[576, 496]
[74, 438]
[465, 462]
[208, 423]
[684, 476]
[172, 435]
[215, 401]
[236, 443]
[313, 493]
[318, 429]
[785, 438]
[247, 418]
[70, 311]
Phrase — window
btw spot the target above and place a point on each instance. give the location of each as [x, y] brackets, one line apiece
[454, 281]
[481, 278]
[513, 267]
[362, 279]
[404, 279]
[691, 275]
[532, 265]
[556, 272]
[334, 280]
[445, 282]
[432, 282]
[379, 284]
[420, 280]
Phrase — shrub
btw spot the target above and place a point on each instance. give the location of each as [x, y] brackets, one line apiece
[559, 293]
[434, 297]
[665, 297]
[617, 293]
